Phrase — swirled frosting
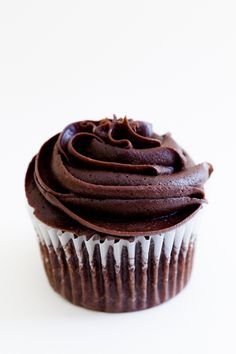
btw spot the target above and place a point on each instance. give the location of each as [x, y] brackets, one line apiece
[114, 176]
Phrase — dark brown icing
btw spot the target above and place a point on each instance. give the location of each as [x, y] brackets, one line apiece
[114, 176]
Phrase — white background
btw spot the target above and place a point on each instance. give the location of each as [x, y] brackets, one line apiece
[169, 62]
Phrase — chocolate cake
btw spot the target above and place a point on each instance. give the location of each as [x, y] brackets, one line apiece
[115, 207]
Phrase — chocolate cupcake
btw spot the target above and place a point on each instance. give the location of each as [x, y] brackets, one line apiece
[116, 208]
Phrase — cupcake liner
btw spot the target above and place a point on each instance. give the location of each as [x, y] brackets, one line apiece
[112, 274]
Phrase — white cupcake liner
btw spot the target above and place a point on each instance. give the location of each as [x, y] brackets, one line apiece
[122, 274]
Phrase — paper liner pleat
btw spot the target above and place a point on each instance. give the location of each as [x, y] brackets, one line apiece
[117, 275]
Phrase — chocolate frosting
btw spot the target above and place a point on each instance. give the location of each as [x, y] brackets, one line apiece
[114, 176]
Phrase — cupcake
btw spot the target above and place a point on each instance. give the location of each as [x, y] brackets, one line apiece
[115, 207]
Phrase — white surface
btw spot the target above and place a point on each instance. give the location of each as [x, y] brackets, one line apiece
[169, 62]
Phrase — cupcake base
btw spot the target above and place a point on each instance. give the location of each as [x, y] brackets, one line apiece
[118, 275]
